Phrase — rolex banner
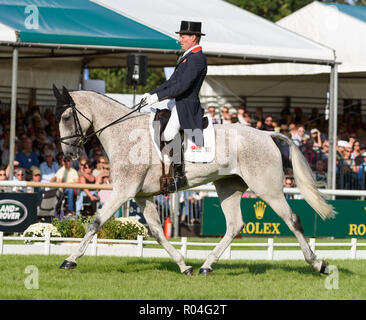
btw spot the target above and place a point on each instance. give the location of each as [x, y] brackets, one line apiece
[261, 220]
[17, 211]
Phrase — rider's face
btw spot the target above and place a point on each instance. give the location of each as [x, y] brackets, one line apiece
[187, 41]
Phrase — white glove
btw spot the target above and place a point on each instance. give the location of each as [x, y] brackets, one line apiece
[152, 98]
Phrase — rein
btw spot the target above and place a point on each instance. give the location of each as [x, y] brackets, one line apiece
[79, 132]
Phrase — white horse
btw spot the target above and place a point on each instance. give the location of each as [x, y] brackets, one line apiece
[254, 162]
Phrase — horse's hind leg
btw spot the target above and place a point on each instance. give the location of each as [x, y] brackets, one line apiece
[230, 191]
[282, 208]
[151, 215]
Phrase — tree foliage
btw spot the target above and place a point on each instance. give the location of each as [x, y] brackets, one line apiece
[115, 79]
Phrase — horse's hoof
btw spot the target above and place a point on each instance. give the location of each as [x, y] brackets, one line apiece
[205, 271]
[324, 268]
[68, 265]
[188, 272]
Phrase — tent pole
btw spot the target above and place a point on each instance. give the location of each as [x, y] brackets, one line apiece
[13, 109]
[333, 117]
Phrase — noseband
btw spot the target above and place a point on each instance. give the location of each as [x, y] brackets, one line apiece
[82, 138]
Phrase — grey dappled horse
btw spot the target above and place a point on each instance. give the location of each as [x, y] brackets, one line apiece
[245, 157]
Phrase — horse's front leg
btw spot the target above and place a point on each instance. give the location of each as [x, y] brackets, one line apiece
[151, 215]
[117, 198]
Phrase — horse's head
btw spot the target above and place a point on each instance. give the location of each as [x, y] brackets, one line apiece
[74, 120]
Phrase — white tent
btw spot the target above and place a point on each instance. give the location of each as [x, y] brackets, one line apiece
[341, 27]
[231, 32]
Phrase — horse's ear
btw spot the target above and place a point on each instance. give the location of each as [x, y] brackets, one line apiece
[67, 97]
[57, 94]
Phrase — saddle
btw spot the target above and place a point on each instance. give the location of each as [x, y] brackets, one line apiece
[162, 116]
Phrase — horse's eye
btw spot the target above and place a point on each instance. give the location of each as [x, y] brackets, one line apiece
[66, 115]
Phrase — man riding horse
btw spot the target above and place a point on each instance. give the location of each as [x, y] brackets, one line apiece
[184, 86]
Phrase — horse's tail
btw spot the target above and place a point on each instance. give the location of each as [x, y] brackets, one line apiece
[305, 180]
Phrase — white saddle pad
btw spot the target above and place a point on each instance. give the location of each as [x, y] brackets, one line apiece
[193, 153]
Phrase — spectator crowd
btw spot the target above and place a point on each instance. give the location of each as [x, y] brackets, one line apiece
[39, 156]
[310, 133]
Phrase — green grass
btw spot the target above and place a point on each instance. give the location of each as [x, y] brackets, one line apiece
[158, 278]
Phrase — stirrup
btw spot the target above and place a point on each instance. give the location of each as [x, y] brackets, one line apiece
[177, 183]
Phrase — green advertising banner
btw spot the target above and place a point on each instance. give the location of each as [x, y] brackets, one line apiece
[261, 220]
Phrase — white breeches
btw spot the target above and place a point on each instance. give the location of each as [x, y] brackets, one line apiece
[172, 127]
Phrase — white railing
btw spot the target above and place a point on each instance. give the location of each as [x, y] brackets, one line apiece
[110, 247]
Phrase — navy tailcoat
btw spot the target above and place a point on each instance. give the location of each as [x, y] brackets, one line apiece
[184, 86]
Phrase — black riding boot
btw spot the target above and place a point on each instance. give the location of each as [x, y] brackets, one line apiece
[179, 180]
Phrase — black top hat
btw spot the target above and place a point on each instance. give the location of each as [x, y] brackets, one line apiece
[190, 27]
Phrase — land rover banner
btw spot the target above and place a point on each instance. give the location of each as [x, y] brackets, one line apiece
[261, 220]
[17, 211]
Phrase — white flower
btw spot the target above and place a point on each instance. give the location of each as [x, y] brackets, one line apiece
[131, 221]
[40, 229]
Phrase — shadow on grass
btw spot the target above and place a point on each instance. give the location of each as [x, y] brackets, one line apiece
[136, 265]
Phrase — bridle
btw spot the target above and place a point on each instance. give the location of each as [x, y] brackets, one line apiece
[83, 138]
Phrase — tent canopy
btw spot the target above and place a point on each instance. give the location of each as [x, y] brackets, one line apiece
[102, 32]
[76, 23]
[339, 26]
[232, 34]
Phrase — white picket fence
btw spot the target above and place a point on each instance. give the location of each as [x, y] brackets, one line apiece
[135, 248]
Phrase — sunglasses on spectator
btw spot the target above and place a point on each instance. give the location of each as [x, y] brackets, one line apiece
[105, 168]
[20, 174]
[3, 174]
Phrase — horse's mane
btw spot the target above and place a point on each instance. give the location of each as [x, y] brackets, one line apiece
[109, 98]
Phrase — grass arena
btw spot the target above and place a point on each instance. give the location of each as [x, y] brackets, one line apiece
[37, 277]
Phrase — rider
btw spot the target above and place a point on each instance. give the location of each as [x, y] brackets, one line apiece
[184, 86]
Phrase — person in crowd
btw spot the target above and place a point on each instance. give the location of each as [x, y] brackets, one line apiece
[49, 168]
[288, 183]
[211, 113]
[275, 125]
[267, 125]
[246, 119]
[316, 139]
[302, 134]
[27, 157]
[86, 178]
[320, 173]
[322, 153]
[104, 194]
[36, 177]
[82, 163]
[241, 113]
[67, 174]
[356, 148]
[225, 116]
[4, 177]
[359, 158]
[15, 166]
[60, 159]
[20, 176]
[361, 175]
[234, 118]
[310, 155]
[102, 160]
[105, 172]
[295, 137]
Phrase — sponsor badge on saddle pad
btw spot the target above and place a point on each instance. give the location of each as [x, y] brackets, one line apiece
[193, 153]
